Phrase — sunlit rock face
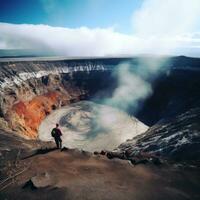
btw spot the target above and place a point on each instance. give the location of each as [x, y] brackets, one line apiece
[27, 115]
[90, 126]
[30, 90]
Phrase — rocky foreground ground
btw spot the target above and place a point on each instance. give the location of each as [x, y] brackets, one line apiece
[74, 174]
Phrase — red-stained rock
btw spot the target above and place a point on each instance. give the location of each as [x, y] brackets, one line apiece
[28, 115]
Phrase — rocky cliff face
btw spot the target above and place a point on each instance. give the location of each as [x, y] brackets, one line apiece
[30, 90]
[177, 138]
[173, 114]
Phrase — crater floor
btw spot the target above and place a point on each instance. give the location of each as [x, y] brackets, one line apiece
[91, 126]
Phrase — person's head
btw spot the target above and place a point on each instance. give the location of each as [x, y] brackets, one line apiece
[57, 125]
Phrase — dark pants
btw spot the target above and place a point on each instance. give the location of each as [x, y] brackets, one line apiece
[58, 142]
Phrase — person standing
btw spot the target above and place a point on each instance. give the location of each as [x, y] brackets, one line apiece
[56, 134]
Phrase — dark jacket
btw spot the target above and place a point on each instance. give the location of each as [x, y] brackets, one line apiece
[56, 132]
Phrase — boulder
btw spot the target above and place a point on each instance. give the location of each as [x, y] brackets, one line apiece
[40, 181]
[113, 154]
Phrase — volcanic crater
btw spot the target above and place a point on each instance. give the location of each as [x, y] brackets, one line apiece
[155, 149]
[32, 89]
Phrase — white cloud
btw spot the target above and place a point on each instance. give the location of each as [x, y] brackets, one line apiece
[161, 27]
[72, 42]
[163, 24]
[86, 42]
[166, 17]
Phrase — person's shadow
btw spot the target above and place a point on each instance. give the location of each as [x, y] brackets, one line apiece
[40, 151]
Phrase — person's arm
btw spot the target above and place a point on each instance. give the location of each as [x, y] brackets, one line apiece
[60, 132]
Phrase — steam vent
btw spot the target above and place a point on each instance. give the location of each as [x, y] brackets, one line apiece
[99, 100]
[120, 127]
[31, 90]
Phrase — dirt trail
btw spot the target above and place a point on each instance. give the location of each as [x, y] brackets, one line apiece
[73, 174]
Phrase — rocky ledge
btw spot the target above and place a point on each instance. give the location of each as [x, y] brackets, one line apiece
[74, 174]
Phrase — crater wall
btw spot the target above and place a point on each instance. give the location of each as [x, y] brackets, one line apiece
[30, 90]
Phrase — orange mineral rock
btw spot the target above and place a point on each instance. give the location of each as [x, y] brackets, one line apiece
[30, 114]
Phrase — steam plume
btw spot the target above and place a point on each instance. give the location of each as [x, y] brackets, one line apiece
[159, 30]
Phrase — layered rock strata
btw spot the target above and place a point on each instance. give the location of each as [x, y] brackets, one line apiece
[30, 90]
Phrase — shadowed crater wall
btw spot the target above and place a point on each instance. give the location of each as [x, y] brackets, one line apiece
[31, 89]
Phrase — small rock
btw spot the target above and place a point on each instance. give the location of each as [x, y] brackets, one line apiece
[103, 152]
[113, 154]
[110, 155]
[156, 161]
[42, 180]
[86, 153]
[64, 149]
[136, 161]
[96, 152]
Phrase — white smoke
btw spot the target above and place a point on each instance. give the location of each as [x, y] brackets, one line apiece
[134, 81]
[159, 24]
[160, 27]
[131, 88]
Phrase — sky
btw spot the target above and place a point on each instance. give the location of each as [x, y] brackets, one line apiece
[101, 27]
[70, 13]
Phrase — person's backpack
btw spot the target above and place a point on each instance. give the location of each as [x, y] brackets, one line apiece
[53, 133]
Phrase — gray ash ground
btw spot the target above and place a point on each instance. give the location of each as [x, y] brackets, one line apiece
[91, 126]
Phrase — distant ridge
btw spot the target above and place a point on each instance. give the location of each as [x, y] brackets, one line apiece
[16, 53]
